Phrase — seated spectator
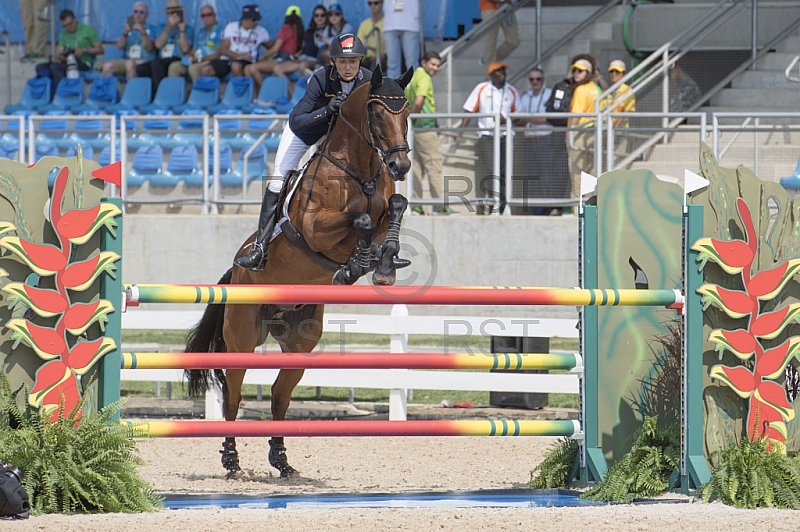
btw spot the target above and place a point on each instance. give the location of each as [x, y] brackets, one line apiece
[239, 44]
[285, 47]
[206, 47]
[172, 43]
[688, 92]
[77, 42]
[312, 40]
[370, 31]
[136, 41]
[337, 25]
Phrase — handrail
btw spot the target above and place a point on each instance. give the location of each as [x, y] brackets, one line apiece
[744, 66]
[8, 65]
[788, 70]
[566, 39]
[733, 139]
[479, 30]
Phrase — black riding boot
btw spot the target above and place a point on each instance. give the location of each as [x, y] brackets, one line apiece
[257, 257]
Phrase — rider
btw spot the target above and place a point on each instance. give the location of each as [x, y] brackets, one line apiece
[308, 123]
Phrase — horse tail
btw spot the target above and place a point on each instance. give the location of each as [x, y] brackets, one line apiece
[206, 337]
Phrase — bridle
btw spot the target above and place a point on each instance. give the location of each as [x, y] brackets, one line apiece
[368, 187]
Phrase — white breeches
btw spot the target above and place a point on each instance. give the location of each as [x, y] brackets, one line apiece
[290, 152]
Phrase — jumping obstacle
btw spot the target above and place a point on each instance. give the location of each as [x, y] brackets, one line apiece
[494, 361]
[203, 429]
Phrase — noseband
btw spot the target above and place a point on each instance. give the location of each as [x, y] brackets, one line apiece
[390, 103]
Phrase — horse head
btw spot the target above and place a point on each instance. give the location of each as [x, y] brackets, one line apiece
[387, 121]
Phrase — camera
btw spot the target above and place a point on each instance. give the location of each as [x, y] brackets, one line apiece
[68, 52]
[10, 471]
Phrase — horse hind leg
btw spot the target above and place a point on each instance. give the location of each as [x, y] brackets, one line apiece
[231, 396]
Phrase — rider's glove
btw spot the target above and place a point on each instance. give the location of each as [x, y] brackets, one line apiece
[335, 104]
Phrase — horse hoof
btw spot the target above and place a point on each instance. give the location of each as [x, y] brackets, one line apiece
[384, 280]
[277, 459]
[288, 472]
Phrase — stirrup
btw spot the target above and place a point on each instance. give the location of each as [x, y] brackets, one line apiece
[248, 261]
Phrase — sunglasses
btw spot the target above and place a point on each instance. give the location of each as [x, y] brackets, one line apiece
[204, 15]
[139, 11]
[535, 79]
[374, 3]
[320, 15]
[334, 14]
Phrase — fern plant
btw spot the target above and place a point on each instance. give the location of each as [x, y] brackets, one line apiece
[554, 470]
[645, 470]
[74, 463]
[749, 475]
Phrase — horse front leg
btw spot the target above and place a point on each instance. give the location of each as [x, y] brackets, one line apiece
[389, 262]
[363, 257]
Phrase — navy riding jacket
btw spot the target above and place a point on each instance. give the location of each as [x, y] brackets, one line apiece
[308, 120]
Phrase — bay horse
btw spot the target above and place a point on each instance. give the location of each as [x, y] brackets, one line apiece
[343, 221]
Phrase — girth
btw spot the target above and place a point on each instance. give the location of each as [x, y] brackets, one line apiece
[297, 239]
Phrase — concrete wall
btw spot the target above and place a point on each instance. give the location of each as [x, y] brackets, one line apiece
[455, 250]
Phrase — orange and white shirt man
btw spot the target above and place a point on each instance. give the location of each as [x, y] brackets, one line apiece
[492, 96]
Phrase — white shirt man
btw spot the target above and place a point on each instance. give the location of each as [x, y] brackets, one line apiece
[535, 101]
[243, 40]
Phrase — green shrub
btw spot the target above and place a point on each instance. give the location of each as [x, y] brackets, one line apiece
[74, 464]
[747, 475]
[645, 470]
[554, 471]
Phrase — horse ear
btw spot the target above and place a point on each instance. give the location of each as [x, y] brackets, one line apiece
[377, 78]
[406, 79]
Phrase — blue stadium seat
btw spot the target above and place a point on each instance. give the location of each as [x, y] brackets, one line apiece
[53, 132]
[297, 95]
[91, 132]
[171, 92]
[105, 157]
[256, 164]
[154, 131]
[86, 150]
[102, 93]
[69, 93]
[228, 177]
[35, 94]
[138, 92]
[238, 94]
[231, 131]
[8, 154]
[45, 150]
[182, 166]
[205, 93]
[274, 91]
[792, 183]
[146, 165]
[184, 137]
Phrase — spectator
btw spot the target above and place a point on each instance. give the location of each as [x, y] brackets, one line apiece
[173, 42]
[239, 46]
[308, 123]
[580, 137]
[136, 41]
[370, 31]
[427, 154]
[76, 41]
[337, 25]
[626, 102]
[34, 23]
[535, 149]
[688, 92]
[206, 47]
[493, 96]
[401, 36]
[285, 47]
[491, 52]
[312, 39]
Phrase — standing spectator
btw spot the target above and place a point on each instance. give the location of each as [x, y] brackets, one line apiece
[370, 31]
[136, 41]
[173, 42]
[401, 35]
[580, 137]
[427, 154]
[491, 52]
[688, 91]
[35, 27]
[239, 45]
[285, 47]
[498, 97]
[312, 40]
[337, 25]
[206, 47]
[77, 41]
[535, 148]
[626, 103]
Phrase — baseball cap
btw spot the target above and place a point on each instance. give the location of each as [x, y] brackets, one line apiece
[251, 11]
[495, 66]
[337, 8]
[293, 10]
[582, 64]
[617, 64]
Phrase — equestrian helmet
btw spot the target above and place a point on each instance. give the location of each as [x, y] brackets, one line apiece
[346, 45]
